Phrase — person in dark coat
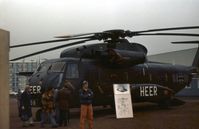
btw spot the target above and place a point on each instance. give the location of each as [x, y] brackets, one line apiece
[25, 103]
[63, 100]
[19, 102]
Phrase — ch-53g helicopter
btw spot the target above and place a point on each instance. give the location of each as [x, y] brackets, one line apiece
[115, 61]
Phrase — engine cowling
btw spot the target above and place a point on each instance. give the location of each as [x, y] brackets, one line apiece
[125, 57]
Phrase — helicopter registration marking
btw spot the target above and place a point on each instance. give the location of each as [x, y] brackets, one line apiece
[35, 89]
[148, 91]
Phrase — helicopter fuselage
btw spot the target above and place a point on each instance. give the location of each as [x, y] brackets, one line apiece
[152, 82]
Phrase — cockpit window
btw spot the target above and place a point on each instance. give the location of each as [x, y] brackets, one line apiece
[72, 70]
[43, 67]
[57, 67]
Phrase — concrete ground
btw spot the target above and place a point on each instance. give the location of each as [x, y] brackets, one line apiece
[146, 116]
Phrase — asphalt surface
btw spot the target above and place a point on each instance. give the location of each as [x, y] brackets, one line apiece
[146, 116]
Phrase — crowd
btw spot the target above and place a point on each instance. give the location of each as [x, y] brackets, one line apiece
[56, 106]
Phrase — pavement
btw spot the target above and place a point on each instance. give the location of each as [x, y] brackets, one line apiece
[146, 116]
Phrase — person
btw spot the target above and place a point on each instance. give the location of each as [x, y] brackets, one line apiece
[55, 92]
[63, 100]
[26, 109]
[39, 96]
[69, 86]
[19, 102]
[86, 109]
[48, 108]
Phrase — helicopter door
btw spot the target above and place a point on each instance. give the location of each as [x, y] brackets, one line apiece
[102, 86]
[72, 73]
[94, 81]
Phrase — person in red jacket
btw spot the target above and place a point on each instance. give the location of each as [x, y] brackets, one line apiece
[86, 110]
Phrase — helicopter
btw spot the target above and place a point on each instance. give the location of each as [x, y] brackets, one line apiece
[114, 61]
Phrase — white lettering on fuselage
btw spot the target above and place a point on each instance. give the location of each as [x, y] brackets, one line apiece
[148, 91]
[35, 89]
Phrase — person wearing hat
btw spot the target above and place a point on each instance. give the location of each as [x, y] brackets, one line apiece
[86, 109]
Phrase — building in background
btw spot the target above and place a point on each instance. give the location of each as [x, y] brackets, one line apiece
[182, 57]
[18, 81]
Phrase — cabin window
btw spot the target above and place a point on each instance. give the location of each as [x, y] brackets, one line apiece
[150, 77]
[178, 78]
[72, 71]
[57, 67]
[143, 72]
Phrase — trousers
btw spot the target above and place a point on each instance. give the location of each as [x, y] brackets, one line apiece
[64, 117]
[48, 115]
[86, 112]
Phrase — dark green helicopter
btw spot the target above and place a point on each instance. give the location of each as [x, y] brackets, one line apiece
[115, 61]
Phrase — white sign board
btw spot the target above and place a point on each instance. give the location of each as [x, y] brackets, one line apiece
[123, 103]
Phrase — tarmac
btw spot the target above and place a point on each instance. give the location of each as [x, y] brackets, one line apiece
[146, 116]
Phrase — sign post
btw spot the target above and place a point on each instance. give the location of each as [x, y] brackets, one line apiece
[123, 103]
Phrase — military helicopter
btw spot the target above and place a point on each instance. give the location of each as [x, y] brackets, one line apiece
[114, 61]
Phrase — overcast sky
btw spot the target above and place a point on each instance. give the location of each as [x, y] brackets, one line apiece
[38, 20]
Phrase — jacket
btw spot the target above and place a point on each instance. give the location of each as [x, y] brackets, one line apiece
[26, 100]
[47, 101]
[63, 98]
[86, 97]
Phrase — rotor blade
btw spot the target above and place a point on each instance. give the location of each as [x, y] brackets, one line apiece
[169, 34]
[75, 35]
[165, 29]
[51, 49]
[50, 41]
[186, 42]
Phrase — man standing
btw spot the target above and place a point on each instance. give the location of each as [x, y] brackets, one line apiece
[48, 108]
[26, 109]
[86, 97]
[19, 102]
[63, 100]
